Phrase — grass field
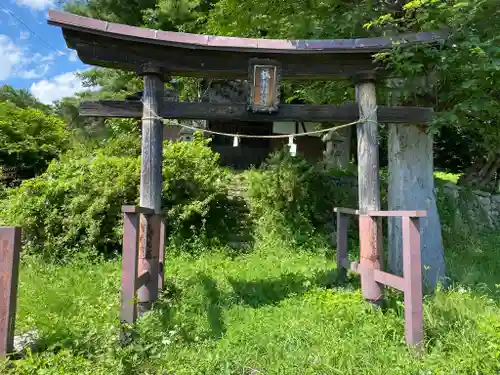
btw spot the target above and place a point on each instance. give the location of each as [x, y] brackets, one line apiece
[272, 311]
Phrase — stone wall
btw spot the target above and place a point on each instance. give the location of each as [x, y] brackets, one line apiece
[473, 207]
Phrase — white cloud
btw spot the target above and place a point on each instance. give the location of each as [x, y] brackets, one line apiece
[17, 61]
[36, 4]
[73, 56]
[38, 57]
[38, 72]
[11, 56]
[24, 35]
[58, 87]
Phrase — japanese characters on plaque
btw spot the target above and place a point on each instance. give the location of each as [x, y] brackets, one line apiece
[264, 79]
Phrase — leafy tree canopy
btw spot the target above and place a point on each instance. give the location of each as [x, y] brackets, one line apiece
[21, 98]
[29, 139]
[457, 77]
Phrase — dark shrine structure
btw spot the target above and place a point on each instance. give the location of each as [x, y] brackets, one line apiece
[414, 229]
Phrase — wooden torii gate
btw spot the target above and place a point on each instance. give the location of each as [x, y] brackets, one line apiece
[154, 54]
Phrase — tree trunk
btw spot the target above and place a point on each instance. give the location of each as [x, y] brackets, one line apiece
[411, 187]
[482, 174]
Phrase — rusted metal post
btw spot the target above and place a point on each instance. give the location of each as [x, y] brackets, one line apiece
[10, 249]
[368, 185]
[161, 255]
[151, 183]
[342, 237]
[128, 307]
[412, 271]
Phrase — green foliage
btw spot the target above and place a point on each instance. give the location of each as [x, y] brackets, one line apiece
[459, 76]
[297, 197]
[22, 99]
[29, 139]
[272, 311]
[75, 206]
[194, 191]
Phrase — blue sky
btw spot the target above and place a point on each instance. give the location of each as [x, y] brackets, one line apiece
[26, 61]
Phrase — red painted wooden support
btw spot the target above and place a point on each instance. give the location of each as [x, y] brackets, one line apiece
[388, 279]
[161, 256]
[137, 210]
[141, 274]
[372, 277]
[128, 308]
[396, 213]
[370, 246]
[149, 244]
[10, 248]
[412, 271]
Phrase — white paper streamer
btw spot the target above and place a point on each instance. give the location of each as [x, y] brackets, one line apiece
[292, 145]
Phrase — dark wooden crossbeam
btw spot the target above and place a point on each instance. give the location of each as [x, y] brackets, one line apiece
[341, 113]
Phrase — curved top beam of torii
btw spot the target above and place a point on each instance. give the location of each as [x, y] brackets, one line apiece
[126, 47]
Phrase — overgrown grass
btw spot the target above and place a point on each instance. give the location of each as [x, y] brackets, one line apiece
[271, 311]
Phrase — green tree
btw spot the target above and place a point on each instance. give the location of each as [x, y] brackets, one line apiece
[29, 139]
[21, 98]
[458, 77]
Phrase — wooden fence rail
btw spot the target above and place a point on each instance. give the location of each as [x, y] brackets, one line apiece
[10, 248]
[142, 260]
[372, 277]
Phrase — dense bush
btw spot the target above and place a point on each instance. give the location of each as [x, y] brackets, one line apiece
[195, 196]
[75, 206]
[296, 196]
[29, 140]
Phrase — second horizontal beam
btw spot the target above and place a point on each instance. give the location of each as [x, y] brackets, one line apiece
[341, 113]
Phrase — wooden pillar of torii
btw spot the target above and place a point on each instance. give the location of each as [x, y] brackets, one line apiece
[368, 184]
[151, 184]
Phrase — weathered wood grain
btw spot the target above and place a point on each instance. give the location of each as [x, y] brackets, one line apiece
[127, 55]
[150, 189]
[125, 47]
[368, 189]
[341, 113]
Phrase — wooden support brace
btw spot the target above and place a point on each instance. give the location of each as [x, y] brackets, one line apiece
[137, 210]
[148, 262]
[128, 306]
[412, 270]
[370, 245]
[388, 279]
[10, 248]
